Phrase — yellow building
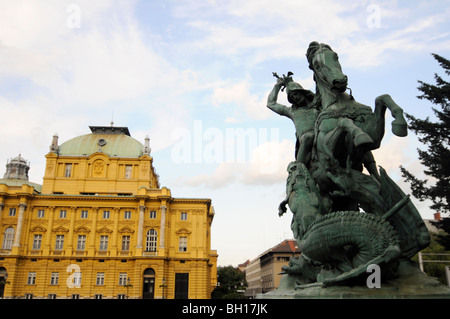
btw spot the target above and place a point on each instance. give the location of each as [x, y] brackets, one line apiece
[100, 226]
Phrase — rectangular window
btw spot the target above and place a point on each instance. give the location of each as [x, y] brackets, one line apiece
[100, 279]
[127, 214]
[183, 216]
[62, 213]
[128, 171]
[37, 242]
[84, 214]
[54, 278]
[122, 279]
[103, 243]
[183, 244]
[8, 238]
[81, 242]
[125, 243]
[68, 170]
[31, 280]
[152, 214]
[106, 214]
[40, 213]
[12, 212]
[59, 242]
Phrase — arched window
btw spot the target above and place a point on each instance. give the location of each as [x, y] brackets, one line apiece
[8, 238]
[152, 238]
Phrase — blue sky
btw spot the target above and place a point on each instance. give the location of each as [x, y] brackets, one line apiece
[187, 73]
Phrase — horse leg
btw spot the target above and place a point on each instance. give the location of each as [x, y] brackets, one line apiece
[370, 164]
[328, 142]
[399, 125]
[360, 138]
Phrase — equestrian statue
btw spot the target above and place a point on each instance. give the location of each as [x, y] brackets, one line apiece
[344, 218]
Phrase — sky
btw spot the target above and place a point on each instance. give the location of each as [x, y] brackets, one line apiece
[195, 76]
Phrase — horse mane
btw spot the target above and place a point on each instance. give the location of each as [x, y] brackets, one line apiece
[312, 50]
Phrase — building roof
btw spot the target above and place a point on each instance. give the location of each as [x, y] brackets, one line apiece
[286, 246]
[113, 141]
[19, 182]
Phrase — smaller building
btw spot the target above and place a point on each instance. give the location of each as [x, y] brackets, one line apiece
[263, 272]
[429, 223]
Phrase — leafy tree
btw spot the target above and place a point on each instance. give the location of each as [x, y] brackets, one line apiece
[230, 281]
[435, 268]
[435, 135]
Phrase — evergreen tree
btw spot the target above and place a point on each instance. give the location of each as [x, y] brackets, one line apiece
[435, 135]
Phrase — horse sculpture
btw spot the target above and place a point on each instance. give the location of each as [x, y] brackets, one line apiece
[347, 131]
[343, 219]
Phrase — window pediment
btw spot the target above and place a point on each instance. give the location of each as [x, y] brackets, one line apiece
[60, 229]
[104, 229]
[183, 231]
[82, 229]
[38, 229]
[126, 229]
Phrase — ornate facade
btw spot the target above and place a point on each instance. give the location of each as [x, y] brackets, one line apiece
[100, 226]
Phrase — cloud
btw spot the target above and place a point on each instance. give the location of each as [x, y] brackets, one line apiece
[238, 96]
[59, 78]
[256, 31]
[266, 166]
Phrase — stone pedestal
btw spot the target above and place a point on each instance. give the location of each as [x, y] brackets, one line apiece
[410, 284]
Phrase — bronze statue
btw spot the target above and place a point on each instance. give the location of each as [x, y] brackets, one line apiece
[343, 219]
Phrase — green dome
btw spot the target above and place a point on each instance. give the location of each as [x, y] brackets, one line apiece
[114, 145]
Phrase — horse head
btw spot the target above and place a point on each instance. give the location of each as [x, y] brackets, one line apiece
[327, 69]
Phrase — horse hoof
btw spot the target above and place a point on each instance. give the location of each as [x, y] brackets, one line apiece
[362, 139]
[399, 129]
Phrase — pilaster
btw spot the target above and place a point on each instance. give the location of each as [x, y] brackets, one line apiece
[48, 237]
[17, 237]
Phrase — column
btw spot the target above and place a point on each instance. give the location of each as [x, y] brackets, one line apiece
[22, 207]
[140, 228]
[1, 211]
[69, 246]
[48, 237]
[93, 233]
[162, 231]
[115, 232]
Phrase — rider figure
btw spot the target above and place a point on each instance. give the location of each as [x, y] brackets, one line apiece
[302, 112]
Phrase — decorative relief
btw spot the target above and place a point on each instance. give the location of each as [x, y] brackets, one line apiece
[98, 168]
[50, 167]
[145, 168]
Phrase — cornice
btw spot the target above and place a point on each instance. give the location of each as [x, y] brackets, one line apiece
[87, 197]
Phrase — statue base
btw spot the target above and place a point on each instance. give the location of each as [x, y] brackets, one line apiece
[410, 284]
